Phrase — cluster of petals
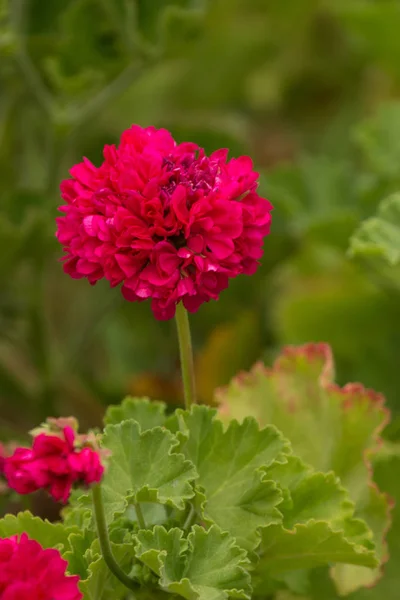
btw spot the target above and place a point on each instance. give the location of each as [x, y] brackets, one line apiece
[53, 463]
[163, 219]
[27, 571]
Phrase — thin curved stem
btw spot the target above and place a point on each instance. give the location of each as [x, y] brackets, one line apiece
[105, 545]
[186, 355]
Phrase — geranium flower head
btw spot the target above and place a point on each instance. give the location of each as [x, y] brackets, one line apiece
[29, 571]
[163, 219]
[56, 462]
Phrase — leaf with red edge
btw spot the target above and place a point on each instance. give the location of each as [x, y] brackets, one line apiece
[329, 427]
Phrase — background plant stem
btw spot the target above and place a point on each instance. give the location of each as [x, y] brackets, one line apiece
[186, 355]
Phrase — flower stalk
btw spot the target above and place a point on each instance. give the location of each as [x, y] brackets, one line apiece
[186, 355]
[104, 540]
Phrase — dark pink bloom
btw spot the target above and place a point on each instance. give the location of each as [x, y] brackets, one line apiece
[53, 463]
[86, 466]
[163, 219]
[29, 571]
[19, 472]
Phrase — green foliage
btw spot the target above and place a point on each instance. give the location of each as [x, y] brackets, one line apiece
[307, 546]
[49, 535]
[330, 427]
[224, 513]
[206, 565]
[147, 414]
[101, 583]
[231, 467]
[145, 468]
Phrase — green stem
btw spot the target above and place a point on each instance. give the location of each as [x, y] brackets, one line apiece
[186, 354]
[140, 517]
[105, 545]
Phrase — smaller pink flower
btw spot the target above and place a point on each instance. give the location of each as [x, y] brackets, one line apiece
[29, 571]
[20, 473]
[86, 466]
[54, 463]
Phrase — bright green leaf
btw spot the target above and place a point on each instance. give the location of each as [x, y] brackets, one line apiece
[231, 471]
[312, 498]
[101, 584]
[144, 468]
[308, 545]
[329, 427]
[75, 515]
[160, 549]
[310, 495]
[148, 413]
[49, 535]
[153, 514]
[76, 557]
[387, 472]
[208, 566]
[376, 511]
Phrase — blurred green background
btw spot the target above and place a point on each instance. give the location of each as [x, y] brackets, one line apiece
[308, 88]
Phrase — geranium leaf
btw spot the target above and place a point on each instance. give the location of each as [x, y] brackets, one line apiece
[49, 535]
[206, 566]
[153, 514]
[317, 513]
[144, 468]
[76, 557]
[101, 584]
[377, 513]
[147, 413]
[231, 471]
[387, 473]
[310, 495]
[75, 514]
[308, 545]
[160, 550]
[330, 427]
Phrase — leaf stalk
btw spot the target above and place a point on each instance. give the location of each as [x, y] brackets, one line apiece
[104, 540]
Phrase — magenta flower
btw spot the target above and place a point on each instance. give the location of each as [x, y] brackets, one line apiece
[53, 463]
[163, 219]
[86, 466]
[29, 571]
